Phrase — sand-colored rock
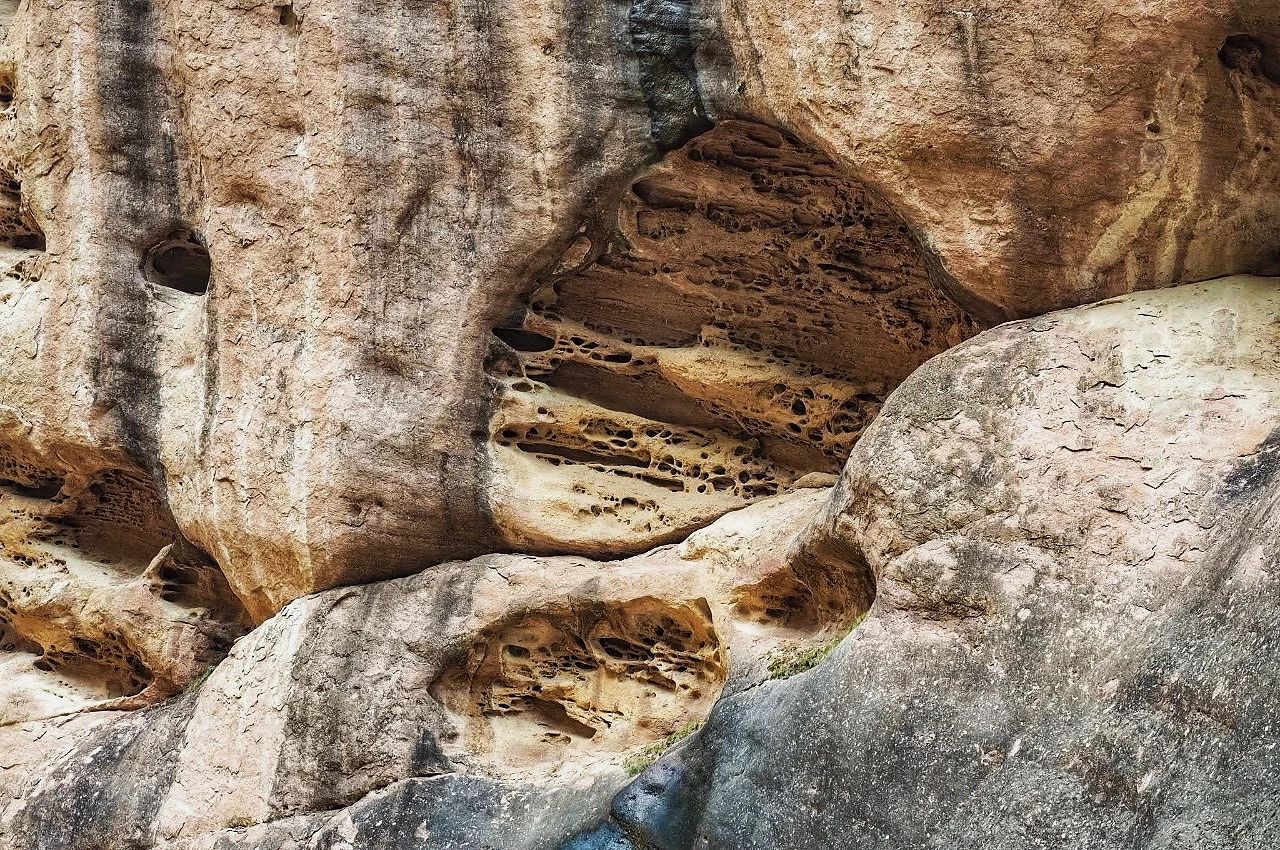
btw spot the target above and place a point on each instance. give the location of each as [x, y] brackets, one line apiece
[539, 675]
[371, 190]
[736, 331]
[488, 367]
[377, 188]
[102, 602]
[1048, 154]
[1034, 512]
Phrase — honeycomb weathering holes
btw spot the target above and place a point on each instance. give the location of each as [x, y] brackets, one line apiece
[69, 542]
[180, 262]
[742, 334]
[546, 685]
[18, 227]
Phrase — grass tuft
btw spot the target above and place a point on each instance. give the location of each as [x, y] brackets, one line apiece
[640, 761]
[789, 660]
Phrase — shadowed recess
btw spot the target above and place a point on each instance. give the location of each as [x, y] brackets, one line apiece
[741, 329]
[179, 261]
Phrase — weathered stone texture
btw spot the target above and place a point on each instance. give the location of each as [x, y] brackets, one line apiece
[413, 414]
[1072, 522]
[378, 185]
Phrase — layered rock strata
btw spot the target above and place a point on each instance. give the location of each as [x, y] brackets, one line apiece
[736, 332]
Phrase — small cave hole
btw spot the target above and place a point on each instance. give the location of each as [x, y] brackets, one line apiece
[45, 490]
[18, 228]
[179, 262]
[1256, 56]
[522, 340]
[289, 17]
[556, 717]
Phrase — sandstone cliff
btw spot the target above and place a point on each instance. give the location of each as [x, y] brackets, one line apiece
[657, 424]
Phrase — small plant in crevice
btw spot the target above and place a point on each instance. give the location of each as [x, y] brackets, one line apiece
[790, 659]
[643, 758]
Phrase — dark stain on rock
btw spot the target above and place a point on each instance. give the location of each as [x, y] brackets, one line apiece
[343, 728]
[605, 837]
[663, 39]
[456, 812]
[397, 265]
[1256, 472]
[664, 807]
[142, 202]
[107, 791]
[428, 758]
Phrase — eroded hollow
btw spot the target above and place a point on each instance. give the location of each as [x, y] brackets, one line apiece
[100, 589]
[18, 227]
[739, 331]
[1252, 55]
[545, 688]
[288, 18]
[179, 262]
[7, 89]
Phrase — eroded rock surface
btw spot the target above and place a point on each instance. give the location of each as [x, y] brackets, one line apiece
[1072, 523]
[414, 417]
[736, 331]
[513, 684]
[102, 602]
[1051, 154]
[256, 251]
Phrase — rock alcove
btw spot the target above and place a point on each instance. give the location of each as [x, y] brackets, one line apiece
[180, 262]
[729, 341]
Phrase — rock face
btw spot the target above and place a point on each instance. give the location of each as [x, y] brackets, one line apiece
[1051, 154]
[509, 678]
[1067, 522]
[280, 312]
[737, 331]
[1072, 523]
[416, 418]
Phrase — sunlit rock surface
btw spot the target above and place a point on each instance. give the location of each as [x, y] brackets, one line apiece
[417, 418]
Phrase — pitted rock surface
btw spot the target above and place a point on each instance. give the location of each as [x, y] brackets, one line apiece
[647, 424]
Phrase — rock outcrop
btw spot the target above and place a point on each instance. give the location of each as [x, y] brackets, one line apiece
[1065, 522]
[1072, 521]
[736, 332]
[506, 678]
[416, 418]
[1050, 154]
[256, 251]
